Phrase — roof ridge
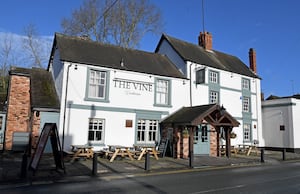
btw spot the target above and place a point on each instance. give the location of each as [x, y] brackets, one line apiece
[102, 43]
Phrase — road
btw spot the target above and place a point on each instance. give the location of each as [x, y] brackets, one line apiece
[279, 178]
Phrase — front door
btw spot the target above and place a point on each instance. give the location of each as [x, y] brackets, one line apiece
[201, 140]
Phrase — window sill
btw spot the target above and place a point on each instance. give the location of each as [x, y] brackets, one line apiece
[96, 100]
[163, 105]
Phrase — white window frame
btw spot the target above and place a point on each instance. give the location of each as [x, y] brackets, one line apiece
[246, 104]
[147, 131]
[213, 97]
[97, 84]
[162, 92]
[245, 84]
[247, 132]
[213, 77]
[97, 126]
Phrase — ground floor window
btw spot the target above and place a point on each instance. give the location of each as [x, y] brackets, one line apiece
[147, 131]
[96, 130]
[247, 132]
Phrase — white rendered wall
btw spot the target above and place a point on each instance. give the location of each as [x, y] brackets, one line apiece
[121, 105]
[296, 123]
[280, 112]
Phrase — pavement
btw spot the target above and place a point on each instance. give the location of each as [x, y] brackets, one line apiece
[78, 170]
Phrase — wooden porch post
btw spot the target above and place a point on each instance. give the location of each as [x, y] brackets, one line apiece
[228, 144]
[218, 141]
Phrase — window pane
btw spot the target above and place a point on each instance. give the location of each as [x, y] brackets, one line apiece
[162, 92]
[246, 84]
[214, 97]
[97, 84]
[247, 132]
[213, 77]
[96, 129]
[147, 131]
[246, 104]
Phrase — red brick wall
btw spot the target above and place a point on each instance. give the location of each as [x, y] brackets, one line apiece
[182, 147]
[213, 141]
[18, 112]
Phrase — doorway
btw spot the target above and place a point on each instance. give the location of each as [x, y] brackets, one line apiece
[202, 140]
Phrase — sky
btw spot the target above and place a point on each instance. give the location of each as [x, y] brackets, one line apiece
[271, 27]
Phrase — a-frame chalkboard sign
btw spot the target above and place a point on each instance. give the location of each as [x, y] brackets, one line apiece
[49, 130]
[162, 148]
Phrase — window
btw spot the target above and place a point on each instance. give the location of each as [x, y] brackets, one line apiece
[247, 132]
[246, 84]
[213, 77]
[196, 135]
[200, 76]
[162, 92]
[96, 130]
[246, 104]
[97, 84]
[204, 134]
[147, 131]
[213, 97]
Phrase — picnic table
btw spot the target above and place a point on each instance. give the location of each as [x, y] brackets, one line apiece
[119, 150]
[84, 151]
[146, 148]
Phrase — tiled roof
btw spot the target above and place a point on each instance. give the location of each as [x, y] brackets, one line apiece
[212, 58]
[79, 50]
[42, 90]
[272, 97]
[187, 114]
[195, 114]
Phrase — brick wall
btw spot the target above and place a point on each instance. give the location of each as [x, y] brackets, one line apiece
[18, 112]
[213, 141]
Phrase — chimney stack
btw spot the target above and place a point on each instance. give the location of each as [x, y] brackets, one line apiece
[252, 60]
[205, 40]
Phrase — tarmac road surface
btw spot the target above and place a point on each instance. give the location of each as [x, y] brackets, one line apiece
[278, 178]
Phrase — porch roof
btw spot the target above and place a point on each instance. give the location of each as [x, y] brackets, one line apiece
[214, 114]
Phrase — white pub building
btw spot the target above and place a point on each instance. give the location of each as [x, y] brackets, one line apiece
[115, 96]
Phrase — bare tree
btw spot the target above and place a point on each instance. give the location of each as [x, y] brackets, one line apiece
[34, 47]
[6, 60]
[120, 22]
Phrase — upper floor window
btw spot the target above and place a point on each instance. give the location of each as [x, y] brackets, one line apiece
[162, 92]
[246, 104]
[213, 77]
[96, 130]
[213, 97]
[97, 85]
[245, 84]
[200, 76]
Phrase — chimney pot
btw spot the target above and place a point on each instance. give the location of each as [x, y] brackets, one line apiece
[205, 40]
[252, 60]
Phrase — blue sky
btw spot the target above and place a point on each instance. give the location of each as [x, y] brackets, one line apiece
[271, 27]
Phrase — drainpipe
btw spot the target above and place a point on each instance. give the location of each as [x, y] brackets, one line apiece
[65, 107]
[191, 96]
